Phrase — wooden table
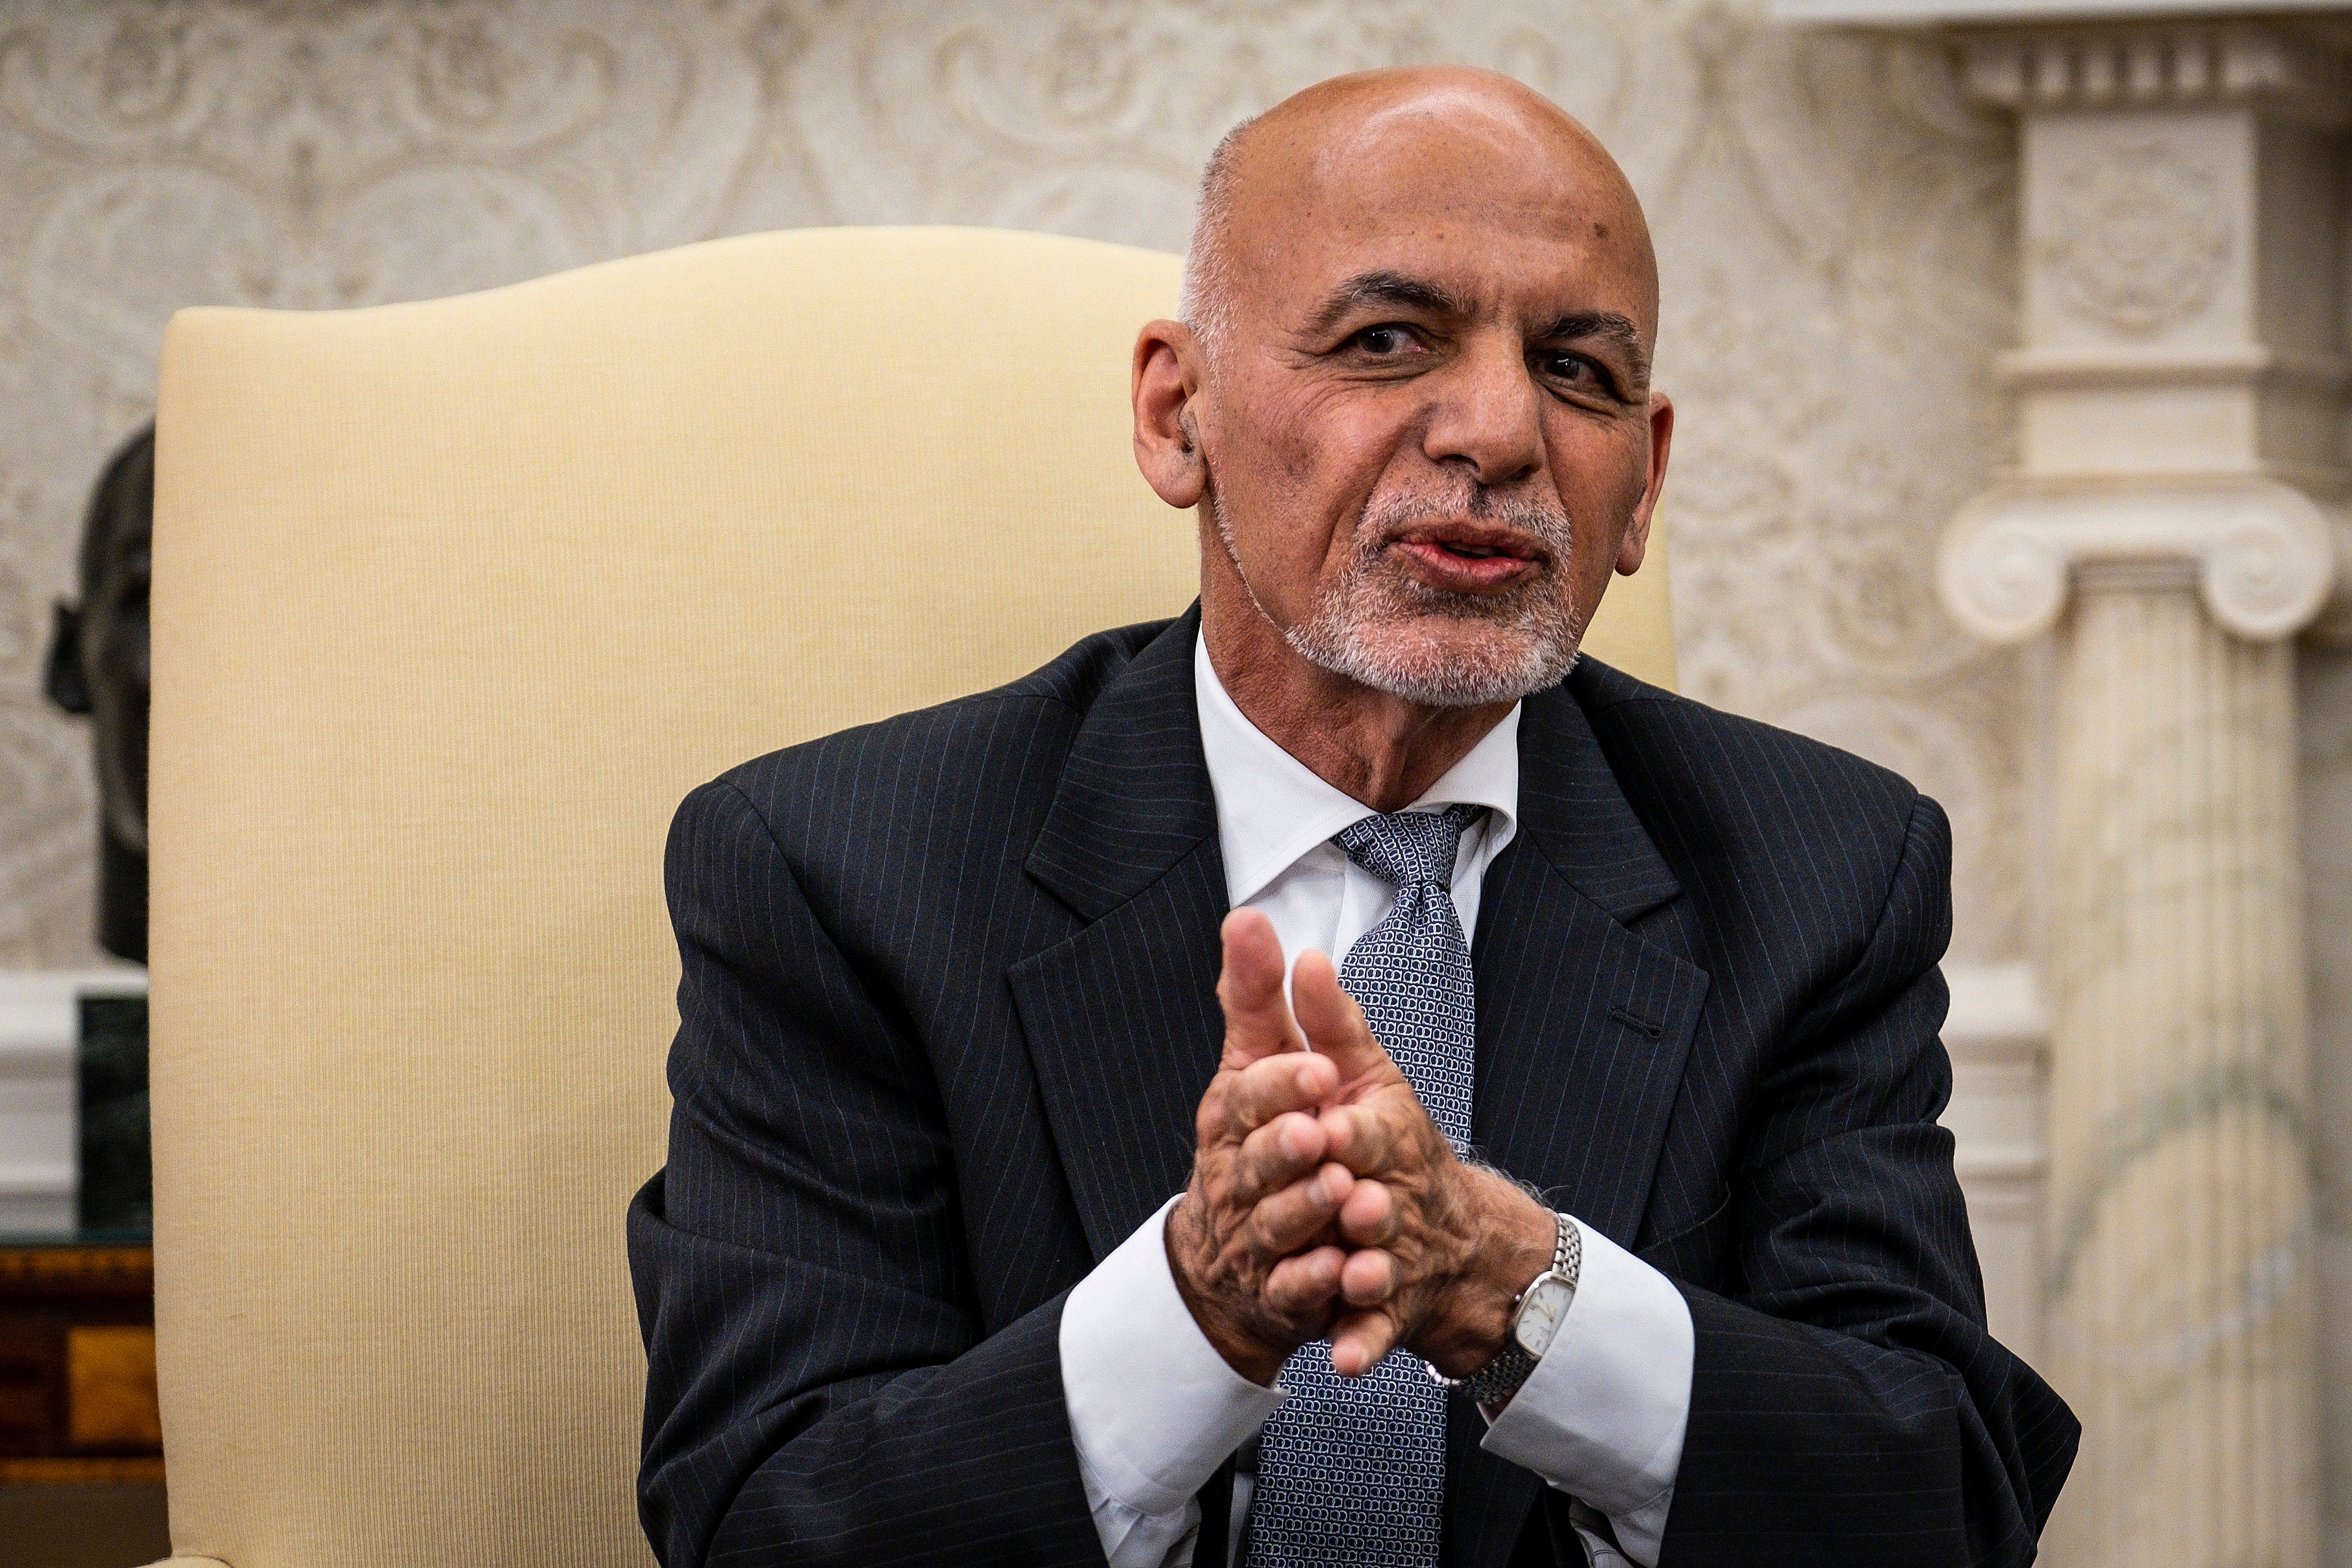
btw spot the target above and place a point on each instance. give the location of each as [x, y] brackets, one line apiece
[78, 1361]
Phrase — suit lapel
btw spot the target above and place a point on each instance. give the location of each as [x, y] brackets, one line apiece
[1121, 1018]
[1584, 1025]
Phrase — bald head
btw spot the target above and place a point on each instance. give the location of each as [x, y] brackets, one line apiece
[1411, 397]
[1433, 141]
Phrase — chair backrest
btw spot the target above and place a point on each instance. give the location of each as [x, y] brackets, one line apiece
[453, 603]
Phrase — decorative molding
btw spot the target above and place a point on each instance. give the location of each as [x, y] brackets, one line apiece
[1922, 13]
[1997, 1012]
[2026, 55]
[2132, 366]
[2265, 553]
[2147, 237]
[2148, 217]
[104, 1273]
[1998, 1035]
[2293, 69]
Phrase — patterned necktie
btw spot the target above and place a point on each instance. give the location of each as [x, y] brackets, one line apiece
[1353, 1470]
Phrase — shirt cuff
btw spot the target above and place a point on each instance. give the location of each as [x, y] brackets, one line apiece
[1602, 1415]
[1154, 1409]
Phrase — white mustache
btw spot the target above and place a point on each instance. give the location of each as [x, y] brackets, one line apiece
[1386, 517]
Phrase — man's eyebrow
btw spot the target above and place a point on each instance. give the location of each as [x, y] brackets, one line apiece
[1609, 328]
[1380, 287]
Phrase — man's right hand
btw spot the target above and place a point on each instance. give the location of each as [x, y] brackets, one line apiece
[1254, 1241]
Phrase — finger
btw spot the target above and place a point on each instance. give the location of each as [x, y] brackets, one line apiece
[1364, 1136]
[1369, 1276]
[1279, 1153]
[1272, 1086]
[1359, 1341]
[1369, 1215]
[1302, 1289]
[1301, 1213]
[1258, 1022]
[1332, 1022]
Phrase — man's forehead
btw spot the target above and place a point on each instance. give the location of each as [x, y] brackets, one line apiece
[1465, 279]
[1475, 133]
[1430, 177]
[1487, 202]
[1449, 131]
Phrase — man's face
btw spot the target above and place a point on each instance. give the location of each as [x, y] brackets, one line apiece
[1428, 422]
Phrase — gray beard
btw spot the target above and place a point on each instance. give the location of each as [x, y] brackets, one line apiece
[1362, 628]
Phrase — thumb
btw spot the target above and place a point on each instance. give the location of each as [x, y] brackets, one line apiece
[1257, 1017]
[1334, 1024]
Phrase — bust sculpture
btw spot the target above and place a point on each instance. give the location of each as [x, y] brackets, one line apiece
[99, 666]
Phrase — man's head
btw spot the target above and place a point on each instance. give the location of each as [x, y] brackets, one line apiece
[1411, 390]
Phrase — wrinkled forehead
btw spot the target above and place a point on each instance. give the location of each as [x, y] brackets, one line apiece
[1510, 214]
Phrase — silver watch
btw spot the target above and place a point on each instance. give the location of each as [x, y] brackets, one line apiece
[1535, 1318]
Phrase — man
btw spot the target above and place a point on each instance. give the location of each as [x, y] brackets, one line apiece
[1024, 1205]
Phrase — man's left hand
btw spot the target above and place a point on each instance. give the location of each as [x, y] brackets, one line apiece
[1442, 1249]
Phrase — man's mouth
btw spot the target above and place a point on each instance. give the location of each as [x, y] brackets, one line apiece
[1471, 559]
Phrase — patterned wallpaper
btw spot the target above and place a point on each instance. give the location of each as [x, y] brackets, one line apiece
[1834, 227]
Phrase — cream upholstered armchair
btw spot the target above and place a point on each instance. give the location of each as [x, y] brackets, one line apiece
[454, 601]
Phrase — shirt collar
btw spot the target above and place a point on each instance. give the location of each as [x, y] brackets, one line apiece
[1273, 810]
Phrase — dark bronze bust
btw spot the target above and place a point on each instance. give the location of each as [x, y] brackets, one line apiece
[97, 665]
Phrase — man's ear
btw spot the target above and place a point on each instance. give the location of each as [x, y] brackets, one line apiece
[1636, 542]
[1165, 382]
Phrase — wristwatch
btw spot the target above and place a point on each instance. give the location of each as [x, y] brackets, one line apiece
[1535, 1318]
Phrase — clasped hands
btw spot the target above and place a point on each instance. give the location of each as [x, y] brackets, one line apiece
[1325, 1203]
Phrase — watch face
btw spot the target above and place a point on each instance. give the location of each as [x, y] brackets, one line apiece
[1542, 1314]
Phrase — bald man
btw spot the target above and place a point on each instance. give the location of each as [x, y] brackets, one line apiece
[1332, 1079]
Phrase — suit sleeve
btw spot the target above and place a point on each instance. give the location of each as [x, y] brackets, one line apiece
[819, 1386]
[1847, 1405]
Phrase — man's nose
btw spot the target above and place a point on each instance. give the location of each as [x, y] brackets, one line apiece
[1487, 415]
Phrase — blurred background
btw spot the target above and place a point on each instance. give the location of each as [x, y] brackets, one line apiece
[1907, 261]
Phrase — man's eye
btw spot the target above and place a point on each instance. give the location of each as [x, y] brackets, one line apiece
[1573, 369]
[1384, 339]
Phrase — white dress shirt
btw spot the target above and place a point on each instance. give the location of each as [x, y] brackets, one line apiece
[1154, 1409]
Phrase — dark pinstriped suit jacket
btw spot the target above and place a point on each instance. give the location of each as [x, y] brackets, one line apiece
[949, 1008]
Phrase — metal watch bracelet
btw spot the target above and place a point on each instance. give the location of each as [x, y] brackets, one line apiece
[1511, 1366]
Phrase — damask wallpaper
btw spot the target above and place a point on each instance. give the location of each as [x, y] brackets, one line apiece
[1834, 227]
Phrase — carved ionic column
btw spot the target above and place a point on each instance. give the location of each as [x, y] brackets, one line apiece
[2179, 1255]
[2171, 523]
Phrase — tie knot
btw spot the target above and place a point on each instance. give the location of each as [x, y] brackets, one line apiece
[1409, 849]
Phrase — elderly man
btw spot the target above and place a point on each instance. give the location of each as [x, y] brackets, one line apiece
[1024, 1205]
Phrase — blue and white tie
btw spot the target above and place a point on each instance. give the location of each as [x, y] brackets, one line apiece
[1353, 1470]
